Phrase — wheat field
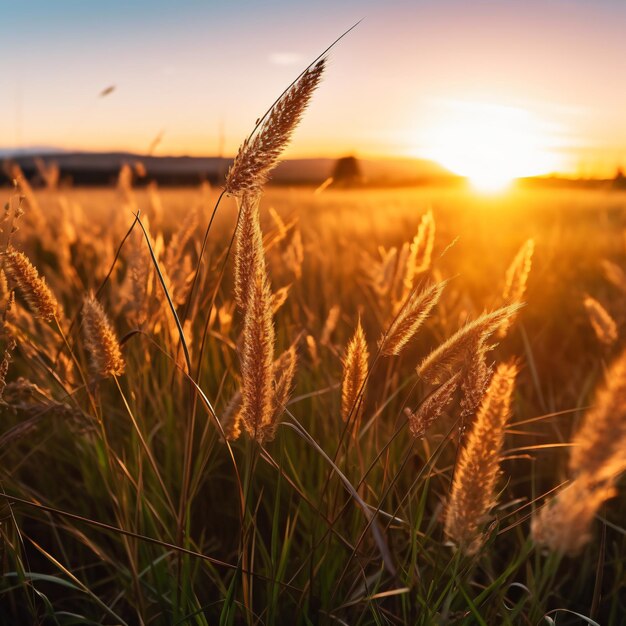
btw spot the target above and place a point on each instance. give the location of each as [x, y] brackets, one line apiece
[368, 406]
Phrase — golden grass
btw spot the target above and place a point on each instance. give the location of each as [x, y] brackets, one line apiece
[23, 275]
[473, 488]
[298, 520]
[355, 369]
[100, 340]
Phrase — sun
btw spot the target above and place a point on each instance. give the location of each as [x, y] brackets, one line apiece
[490, 144]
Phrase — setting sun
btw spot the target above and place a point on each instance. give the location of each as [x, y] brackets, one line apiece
[490, 144]
[313, 312]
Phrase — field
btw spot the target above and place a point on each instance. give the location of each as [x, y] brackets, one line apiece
[123, 503]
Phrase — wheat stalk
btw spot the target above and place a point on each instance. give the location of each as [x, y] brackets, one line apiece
[259, 155]
[477, 471]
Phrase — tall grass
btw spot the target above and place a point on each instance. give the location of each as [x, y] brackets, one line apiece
[199, 425]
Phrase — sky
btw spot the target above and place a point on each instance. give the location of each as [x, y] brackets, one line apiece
[444, 80]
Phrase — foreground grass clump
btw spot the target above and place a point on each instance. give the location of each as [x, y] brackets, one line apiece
[274, 420]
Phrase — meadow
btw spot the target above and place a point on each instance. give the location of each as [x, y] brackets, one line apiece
[378, 406]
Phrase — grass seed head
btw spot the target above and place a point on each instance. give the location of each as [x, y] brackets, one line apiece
[355, 364]
[473, 486]
[101, 340]
[259, 155]
[603, 324]
[451, 356]
[410, 318]
[21, 272]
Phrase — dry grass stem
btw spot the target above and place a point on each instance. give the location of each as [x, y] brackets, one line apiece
[517, 275]
[330, 324]
[598, 457]
[284, 375]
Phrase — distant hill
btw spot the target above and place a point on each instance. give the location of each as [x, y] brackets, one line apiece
[91, 168]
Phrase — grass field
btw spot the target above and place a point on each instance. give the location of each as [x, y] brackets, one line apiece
[123, 502]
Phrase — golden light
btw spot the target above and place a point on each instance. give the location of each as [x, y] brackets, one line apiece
[490, 144]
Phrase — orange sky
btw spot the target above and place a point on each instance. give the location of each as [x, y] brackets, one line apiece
[410, 78]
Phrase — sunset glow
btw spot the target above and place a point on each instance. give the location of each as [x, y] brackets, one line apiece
[491, 144]
[501, 75]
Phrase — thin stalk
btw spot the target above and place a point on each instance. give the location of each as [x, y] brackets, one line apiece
[146, 448]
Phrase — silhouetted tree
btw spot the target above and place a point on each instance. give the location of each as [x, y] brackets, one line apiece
[347, 171]
[619, 182]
